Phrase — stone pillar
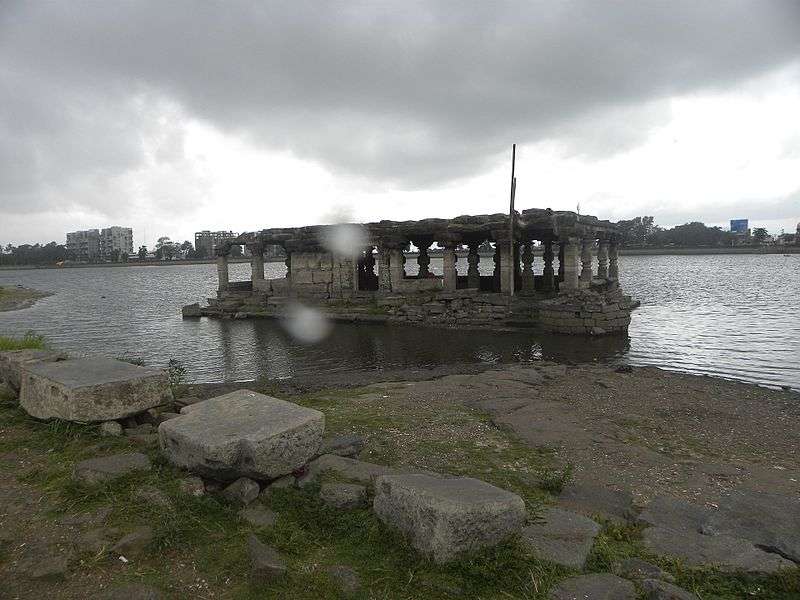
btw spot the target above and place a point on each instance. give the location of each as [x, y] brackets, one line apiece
[396, 268]
[613, 264]
[449, 266]
[384, 272]
[506, 267]
[256, 262]
[571, 248]
[548, 274]
[562, 245]
[496, 273]
[527, 267]
[423, 260]
[473, 260]
[222, 272]
[602, 259]
[586, 261]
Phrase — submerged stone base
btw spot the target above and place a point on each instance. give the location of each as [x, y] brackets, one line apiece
[588, 312]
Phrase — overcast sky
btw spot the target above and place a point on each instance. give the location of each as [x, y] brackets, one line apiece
[172, 117]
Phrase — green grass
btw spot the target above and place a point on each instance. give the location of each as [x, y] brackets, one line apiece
[28, 341]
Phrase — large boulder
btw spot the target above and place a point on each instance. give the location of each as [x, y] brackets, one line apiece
[444, 517]
[242, 434]
[12, 362]
[92, 389]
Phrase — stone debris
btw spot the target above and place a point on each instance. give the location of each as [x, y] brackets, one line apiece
[242, 491]
[343, 445]
[445, 517]
[243, 434]
[346, 578]
[590, 500]
[564, 537]
[655, 589]
[258, 516]
[44, 562]
[110, 429]
[135, 543]
[284, 482]
[133, 591]
[266, 564]
[13, 361]
[725, 552]
[597, 586]
[636, 568]
[91, 389]
[108, 468]
[192, 486]
[343, 495]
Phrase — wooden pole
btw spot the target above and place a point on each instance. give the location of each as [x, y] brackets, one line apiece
[512, 266]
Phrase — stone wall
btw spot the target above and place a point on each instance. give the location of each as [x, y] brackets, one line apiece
[592, 312]
[455, 308]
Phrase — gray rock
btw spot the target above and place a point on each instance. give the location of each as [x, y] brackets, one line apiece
[242, 491]
[258, 516]
[243, 434]
[343, 495]
[636, 568]
[266, 563]
[725, 552]
[135, 543]
[108, 468]
[192, 486]
[346, 578]
[13, 361]
[342, 445]
[674, 513]
[44, 562]
[287, 481]
[769, 521]
[344, 468]
[564, 537]
[111, 429]
[661, 590]
[445, 517]
[153, 496]
[87, 390]
[589, 499]
[598, 586]
[133, 591]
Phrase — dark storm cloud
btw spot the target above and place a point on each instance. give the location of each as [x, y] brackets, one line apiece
[414, 94]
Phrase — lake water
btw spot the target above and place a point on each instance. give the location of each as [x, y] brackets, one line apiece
[734, 316]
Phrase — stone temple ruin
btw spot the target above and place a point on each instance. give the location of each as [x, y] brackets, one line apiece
[571, 287]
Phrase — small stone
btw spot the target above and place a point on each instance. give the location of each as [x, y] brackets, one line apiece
[636, 568]
[661, 590]
[108, 468]
[242, 491]
[342, 445]
[266, 563]
[345, 577]
[110, 428]
[133, 591]
[258, 516]
[40, 561]
[192, 486]
[598, 586]
[284, 482]
[564, 537]
[345, 468]
[135, 543]
[153, 496]
[343, 495]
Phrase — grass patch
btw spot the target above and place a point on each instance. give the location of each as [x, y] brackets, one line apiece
[30, 340]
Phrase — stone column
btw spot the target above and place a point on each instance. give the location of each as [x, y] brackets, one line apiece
[602, 259]
[222, 272]
[423, 260]
[562, 244]
[613, 264]
[384, 272]
[256, 262]
[473, 259]
[496, 277]
[527, 267]
[506, 267]
[571, 248]
[396, 268]
[547, 273]
[586, 261]
[288, 263]
[449, 266]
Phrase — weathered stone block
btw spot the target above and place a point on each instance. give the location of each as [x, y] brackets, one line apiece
[563, 537]
[243, 434]
[12, 362]
[95, 389]
[445, 517]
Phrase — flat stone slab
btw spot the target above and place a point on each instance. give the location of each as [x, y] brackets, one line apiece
[108, 468]
[243, 434]
[563, 537]
[725, 552]
[598, 586]
[12, 362]
[589, 499]
[445, 517]
[345, 468]
[676, 514]
[93, 389]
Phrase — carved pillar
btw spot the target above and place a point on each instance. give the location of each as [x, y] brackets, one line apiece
[473, 259]
[586, 261]
[256, 261]
[222, 272]
[527, 267]
[396, 268]
[384, 271]
[496, 274]
[571, 265]
[547, 273]
[562, 245]
[423, 260]
[602, 259]
[613, 264]
[506, 267]
[449, 266]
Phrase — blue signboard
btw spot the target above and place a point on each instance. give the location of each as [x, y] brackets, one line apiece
[739, 225]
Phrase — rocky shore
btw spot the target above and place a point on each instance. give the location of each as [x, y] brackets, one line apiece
[16, 298]
[543, 480]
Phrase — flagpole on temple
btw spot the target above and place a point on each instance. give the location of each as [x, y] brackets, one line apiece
[512, 266]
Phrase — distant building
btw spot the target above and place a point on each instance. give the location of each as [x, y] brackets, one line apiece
[84, 245]
[205, 242]
[116, 242]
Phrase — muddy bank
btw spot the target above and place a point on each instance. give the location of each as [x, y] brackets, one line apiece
[16, 298]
